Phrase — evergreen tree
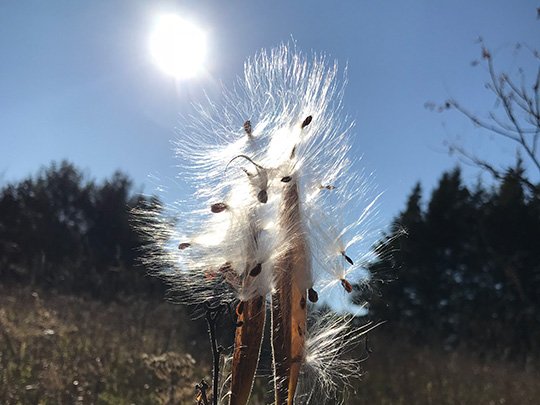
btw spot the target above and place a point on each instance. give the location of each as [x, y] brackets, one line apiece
[467, 268]
[59, 230]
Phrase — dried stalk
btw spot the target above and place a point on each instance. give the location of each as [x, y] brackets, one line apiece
[247, 346]
[289, 302]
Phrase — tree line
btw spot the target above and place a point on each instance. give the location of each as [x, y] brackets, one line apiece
[461, 267]
[464, 266]
[60, 230]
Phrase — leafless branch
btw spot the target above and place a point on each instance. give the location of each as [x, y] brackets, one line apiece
[519, 122]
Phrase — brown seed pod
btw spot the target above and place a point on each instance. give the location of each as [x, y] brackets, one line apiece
[312, 295]
[247, 128]
[303, 302]
[184, 245]
[262, 196]
[255, 271]
[307, 121]
[346, 285]
[218, 207]
[240, 308]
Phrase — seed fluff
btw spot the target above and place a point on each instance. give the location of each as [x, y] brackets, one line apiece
[277, 217]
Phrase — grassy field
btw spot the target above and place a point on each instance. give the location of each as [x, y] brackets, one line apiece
[68, 350]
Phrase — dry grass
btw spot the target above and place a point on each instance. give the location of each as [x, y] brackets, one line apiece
[400, 373]
[67, 350]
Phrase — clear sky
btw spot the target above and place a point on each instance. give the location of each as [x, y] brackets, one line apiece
[77, 81]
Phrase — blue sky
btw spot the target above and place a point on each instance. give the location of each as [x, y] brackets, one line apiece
[77, 81]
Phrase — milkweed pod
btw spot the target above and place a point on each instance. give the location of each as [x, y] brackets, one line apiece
[240, 308]
[303, 302]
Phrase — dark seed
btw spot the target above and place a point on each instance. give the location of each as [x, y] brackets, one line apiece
[247, 127]
[218, 207]
[240, 308]
[307, 121]
[262, 196]
[312, 295]
[184, 245]
[239, 324]
[286, 179]
[347, 258]
[303, 302]
[255, 271]
[293, 152]
[260, 301]
[346, 285]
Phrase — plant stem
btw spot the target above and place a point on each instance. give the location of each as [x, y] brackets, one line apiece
[211, 317]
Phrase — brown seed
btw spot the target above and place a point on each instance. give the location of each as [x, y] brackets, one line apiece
[346, 285]
[240, 308]
[303, 302]
[312, 295]
[218, 207]
[262, 196]
[247, 127]
[307, 121]
[184, 245]
[286, 179]
[255, 271]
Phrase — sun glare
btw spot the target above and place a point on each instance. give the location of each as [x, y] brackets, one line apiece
[178, 47]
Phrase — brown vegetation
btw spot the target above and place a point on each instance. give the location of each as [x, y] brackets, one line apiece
[67, 350]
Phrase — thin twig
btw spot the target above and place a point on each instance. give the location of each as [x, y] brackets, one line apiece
[212, 312]
[201, 388]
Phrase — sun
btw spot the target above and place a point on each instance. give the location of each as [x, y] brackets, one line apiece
[178, 47]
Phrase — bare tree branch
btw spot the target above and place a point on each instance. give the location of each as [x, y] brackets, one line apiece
[519, 122]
